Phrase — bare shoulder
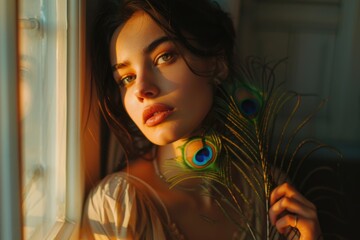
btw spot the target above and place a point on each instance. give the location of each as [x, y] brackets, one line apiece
[141, 168]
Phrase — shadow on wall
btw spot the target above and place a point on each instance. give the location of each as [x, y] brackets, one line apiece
[339, 208]
[351, 180]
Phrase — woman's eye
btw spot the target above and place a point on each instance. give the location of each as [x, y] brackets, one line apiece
[126, 80]
[164, 58]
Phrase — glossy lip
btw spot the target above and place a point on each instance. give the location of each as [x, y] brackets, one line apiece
[156, 113]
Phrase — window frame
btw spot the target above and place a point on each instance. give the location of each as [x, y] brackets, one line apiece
[10, 181]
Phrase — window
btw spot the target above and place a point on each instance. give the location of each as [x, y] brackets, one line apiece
[44, 82]
[42, 48]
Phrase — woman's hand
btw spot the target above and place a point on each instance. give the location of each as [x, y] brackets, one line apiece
[289, 209]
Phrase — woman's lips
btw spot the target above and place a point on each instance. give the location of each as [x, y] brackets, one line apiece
[156, 114]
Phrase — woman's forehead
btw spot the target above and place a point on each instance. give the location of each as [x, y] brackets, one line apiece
[135, 34]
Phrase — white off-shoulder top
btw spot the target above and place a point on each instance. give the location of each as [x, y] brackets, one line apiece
[123, 206]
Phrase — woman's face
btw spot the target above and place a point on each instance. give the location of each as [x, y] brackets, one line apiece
[164, 98]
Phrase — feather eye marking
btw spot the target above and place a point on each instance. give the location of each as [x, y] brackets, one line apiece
[199, 153]
[249, 101]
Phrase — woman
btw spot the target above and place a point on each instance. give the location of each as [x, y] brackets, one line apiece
[158, 66]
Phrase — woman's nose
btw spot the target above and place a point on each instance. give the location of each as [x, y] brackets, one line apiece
[146, 88]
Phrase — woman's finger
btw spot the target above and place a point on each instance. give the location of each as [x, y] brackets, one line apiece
[287, 190]
[288, 220]
[291, 210]
[307, 228]
[292, 205]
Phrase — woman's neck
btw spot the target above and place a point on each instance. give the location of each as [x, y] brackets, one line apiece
[166, 156]
[168, 152]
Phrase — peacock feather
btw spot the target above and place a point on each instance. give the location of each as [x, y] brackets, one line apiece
[244, 153]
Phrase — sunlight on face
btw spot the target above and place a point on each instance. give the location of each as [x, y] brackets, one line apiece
[164, 98]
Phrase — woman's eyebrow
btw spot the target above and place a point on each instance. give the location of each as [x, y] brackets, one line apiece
[151, 47]
[154, 44]
[117, 66]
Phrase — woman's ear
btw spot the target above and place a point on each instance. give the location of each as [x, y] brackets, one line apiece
[222, 70]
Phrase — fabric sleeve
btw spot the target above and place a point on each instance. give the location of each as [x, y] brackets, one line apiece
[108, 209]
[125, 207]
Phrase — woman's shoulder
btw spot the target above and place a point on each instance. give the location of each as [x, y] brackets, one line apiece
[120, 180]
[114, 205]
[115, 185]
[111, 190]
[133, 184]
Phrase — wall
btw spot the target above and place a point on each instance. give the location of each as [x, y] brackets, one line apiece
[320, 39]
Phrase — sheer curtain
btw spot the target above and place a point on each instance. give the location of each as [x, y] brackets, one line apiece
[40, 166]
[42, 58]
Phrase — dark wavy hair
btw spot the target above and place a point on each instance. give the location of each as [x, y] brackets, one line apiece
[212, 35]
